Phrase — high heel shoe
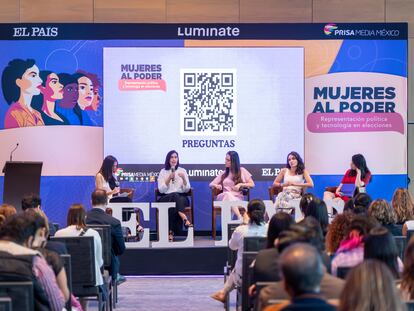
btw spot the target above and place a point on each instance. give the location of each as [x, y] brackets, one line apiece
[187, 223]
[171, 236]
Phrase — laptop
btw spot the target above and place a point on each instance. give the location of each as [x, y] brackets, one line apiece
[348, 190]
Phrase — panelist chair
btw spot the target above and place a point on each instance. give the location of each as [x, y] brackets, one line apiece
[216, 211]
[21, 295]
[188, 211]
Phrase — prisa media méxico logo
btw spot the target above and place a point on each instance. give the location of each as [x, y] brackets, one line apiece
[333, 29]
[329, 28]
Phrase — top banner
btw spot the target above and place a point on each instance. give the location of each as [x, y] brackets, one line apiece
[326, 31]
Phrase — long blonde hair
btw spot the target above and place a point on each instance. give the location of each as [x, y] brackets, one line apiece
[403, 205]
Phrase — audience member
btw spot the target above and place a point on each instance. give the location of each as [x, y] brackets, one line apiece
[76, 226]
[380, 244]
[6, 210]
[266, 266]
[370, 286]
[303, 270]
[403, 205]
[361, 203]
[304, 203]
[256, 227]
[308, 231]
[382, 211]
[337, 231]
[318, 210]
[97, 216]
[407, 279]
[351, 249]
[18, 233]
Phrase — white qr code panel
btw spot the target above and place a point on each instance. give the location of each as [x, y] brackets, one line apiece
[208, 102]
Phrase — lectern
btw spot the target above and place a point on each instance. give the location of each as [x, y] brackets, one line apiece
[20, 178]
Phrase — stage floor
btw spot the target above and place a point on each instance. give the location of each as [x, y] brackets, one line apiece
[202, 259]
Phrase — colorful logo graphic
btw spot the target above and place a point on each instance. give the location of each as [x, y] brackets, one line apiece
[329, 28]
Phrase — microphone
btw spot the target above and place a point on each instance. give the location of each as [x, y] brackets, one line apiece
[173, 171]
[11, 153]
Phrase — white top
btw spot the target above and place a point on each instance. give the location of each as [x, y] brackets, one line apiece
[237, 238]
[410, 224]
[105, 184]
[298, 179]
[175, 186]
[71, 231]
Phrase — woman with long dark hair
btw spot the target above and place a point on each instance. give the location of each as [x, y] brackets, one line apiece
[358, 175]
[173, 184]
[232, 181]
[255, 227]
[293, 179]
[106, 180]
[380, 244]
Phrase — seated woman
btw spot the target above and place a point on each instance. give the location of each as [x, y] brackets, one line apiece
[295, 179]
[381, 210]
[77, 227]
[403, 206]
[359, 175]
[173, 183]
[256, 227]
[232, 181]
[106, 179]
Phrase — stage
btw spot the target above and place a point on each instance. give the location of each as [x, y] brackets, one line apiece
[203, 259]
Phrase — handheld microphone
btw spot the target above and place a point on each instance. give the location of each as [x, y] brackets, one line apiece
[173, 171]
[11, 153]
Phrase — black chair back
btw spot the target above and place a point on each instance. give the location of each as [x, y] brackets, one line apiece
[105, 233]
[82, 252]
[231, 254]
[410, 233]
[341, 272]
[254, 243]
[20, 293]
[401, 242]
[247, 276]
[6, 304]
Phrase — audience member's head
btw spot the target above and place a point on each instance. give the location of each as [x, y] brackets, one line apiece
[337, 231]
[318, 210]
[407, 280]
[99, 198]
[304, 202]
[370, 286]
[42, 233]
[360, 226]
[382, 211]
[380, 244]
[349, 205]
[307, 231]
[256, 211]
[361, 203]
[22, 228]
[403, 205]
[6, 210]
[31, 201]
[302, 269]
[278, 223]
[109, 211]
[76, 216]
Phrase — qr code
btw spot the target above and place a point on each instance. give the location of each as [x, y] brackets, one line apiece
[208, 102]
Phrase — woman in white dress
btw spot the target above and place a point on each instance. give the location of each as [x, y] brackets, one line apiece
[294, 178]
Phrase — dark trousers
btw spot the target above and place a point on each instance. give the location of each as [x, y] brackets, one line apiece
[175, 222]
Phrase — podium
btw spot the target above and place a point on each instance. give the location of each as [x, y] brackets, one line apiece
[20, 178]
